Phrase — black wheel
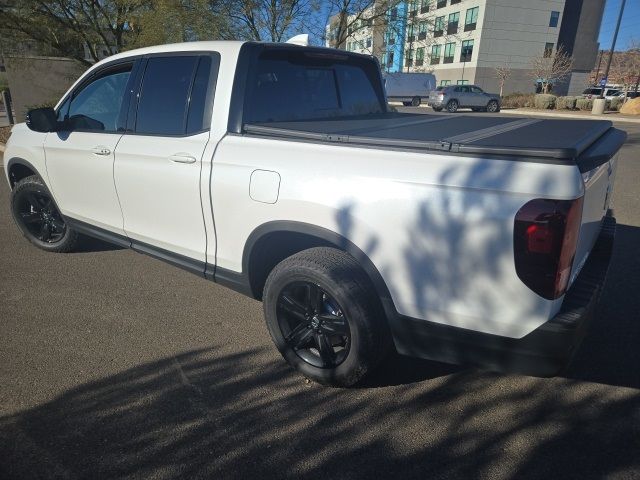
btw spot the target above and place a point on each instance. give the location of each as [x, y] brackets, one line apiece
[37, 216]
[437, 109]
[452, 106]
[415, 102]
[406, 104]
[325, 317]
[493, 106]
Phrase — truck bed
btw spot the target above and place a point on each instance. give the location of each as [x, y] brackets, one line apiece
[556, 141]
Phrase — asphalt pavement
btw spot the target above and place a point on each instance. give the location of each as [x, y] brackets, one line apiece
[115, 365]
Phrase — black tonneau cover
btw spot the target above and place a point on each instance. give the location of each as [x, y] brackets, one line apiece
[562, 141]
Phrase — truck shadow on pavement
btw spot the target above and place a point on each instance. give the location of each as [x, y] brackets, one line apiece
[205, 414]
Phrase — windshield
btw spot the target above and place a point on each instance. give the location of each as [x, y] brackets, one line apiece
[289, 85]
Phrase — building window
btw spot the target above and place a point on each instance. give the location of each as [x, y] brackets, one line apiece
[419, 56]
[462, 82]
[413, 8]
[390, 60]
[410, 33]
[392, 38]
[467, 51]
[369, 42]
[553, 21]
[435, 54]
[444, 83]
[548, 50]
[452, 27]
[449, 52]
[441, 4]
[438, 27]
[409, 58]
[422, 31]
[453, 2]
[424, 6]
[393, 15]
[471, 19]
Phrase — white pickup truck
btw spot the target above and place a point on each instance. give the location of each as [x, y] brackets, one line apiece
[279, 171]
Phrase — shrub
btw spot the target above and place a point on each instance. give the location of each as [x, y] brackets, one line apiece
[566, 103]
[584, 104]
[517, 100]
[615, 104]
[545, 101]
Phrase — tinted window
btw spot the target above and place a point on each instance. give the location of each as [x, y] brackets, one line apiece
[163, 104]
[97, 106]
[287, 85]
[476, 89]
[200, 104]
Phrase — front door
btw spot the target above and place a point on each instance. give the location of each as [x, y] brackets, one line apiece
[80, 158]
[158, 165]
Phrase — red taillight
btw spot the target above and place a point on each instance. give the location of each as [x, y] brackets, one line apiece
[545, 241]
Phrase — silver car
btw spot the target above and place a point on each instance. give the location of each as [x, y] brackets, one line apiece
[453, 97]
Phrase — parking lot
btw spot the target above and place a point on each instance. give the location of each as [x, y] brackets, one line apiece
[115, 365]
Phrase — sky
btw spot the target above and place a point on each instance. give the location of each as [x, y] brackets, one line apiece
[629, 28]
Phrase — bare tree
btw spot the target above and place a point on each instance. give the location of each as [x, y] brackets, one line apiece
[269, 20]
[550, 68]
[502, 73]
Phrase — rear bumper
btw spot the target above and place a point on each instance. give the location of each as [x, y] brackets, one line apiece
[543, 352]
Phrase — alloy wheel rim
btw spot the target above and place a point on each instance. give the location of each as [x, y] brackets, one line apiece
[313, 324]
[40, 217]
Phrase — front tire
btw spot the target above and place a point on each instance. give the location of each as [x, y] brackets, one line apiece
[38, 217]
[325, 317]
[493, 107]
[452, 106]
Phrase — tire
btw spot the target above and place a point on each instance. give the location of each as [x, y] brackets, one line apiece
[406, 104]
[452, 106]
[38, 218]
[437, 109]
[493, 106]
[350, 318]
[415, 101]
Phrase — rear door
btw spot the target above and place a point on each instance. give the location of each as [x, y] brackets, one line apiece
[159, 162]
[80, 158]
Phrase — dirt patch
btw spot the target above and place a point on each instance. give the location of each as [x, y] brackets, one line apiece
[4, 134]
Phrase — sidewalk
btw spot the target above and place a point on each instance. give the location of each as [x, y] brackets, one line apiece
[577, 115]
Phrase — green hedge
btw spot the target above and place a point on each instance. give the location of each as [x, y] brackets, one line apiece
[518, 100]
[566, 103]
[584, 104]
[545, 101]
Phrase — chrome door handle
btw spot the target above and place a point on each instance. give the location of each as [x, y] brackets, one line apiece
[100, 150]
[178, 158]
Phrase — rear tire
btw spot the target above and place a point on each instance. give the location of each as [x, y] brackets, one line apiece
[325, 317]
[38, 217]
[452, 106]
[406, 104]
[415, 101]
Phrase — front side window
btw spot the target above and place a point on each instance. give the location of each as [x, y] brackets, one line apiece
[97, 106]
[467, 51]
[553, 21]
[475, 89]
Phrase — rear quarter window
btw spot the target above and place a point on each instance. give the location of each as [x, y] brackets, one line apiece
[286, 85]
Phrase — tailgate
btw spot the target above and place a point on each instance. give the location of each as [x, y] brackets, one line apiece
[598, 166]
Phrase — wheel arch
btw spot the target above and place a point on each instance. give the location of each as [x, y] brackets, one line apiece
[286, 238]
[19, 168]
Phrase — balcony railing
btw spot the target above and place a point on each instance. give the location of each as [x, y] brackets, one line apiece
[469, 27]
[452, 28]
[435, 60]
[438, 33]
[448, 60]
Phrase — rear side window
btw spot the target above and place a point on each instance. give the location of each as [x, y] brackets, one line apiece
[176, 95]
[286, 85]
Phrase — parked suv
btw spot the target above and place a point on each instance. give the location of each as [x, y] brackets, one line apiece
[594, 92]
[453, 97]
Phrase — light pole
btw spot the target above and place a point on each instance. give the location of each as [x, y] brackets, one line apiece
[613, 46]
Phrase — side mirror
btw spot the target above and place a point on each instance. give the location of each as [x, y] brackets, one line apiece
[42, 120]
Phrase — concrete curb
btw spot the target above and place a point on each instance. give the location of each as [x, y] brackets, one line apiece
[612, 117]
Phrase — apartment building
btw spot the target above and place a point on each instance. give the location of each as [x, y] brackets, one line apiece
[463, 41]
